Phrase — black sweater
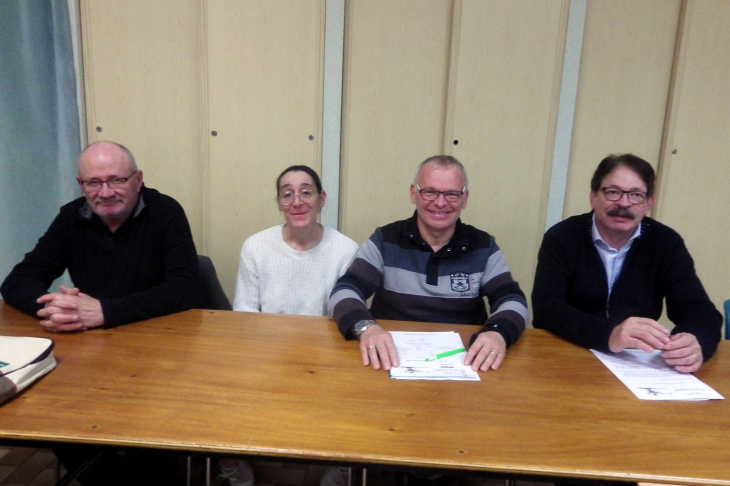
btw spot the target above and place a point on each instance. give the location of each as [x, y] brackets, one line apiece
[570, 294]
[147, 268]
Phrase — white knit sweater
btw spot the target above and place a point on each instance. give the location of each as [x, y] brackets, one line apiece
[275, 278]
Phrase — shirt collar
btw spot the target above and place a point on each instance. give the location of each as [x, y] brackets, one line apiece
[598, 238]
[459, 242]
[86, 212]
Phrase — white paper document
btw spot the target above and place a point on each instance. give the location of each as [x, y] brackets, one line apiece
[650, 378]
[413, 349]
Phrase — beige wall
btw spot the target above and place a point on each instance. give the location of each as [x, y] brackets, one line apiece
[474, 79]
[626, 66]
[163, 76]
[418, 75]
[264, 95]
[504, 87]
[395, 79]
[694, 169]
[142, 76]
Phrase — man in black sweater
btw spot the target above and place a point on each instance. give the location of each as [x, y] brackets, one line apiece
[128, 249]
[602, 277]
[130, 255]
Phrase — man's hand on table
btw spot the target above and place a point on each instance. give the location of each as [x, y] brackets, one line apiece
[640, 333]
[69, 310]
[377, 347]
[681, 351]
[487, 352]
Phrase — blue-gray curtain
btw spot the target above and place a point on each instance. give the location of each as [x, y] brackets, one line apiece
[39, 122]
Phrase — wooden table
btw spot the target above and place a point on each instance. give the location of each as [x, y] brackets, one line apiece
[291, 387]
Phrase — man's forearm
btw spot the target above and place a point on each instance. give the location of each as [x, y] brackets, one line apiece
[22, 295]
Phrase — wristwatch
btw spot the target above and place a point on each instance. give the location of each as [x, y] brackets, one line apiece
[362, 326]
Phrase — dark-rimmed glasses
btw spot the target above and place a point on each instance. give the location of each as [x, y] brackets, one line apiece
[432, 194]
[115, 183]
[613, 194]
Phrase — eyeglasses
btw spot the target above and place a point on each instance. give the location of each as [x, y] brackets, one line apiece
[432, 194]
[115, 183]
[287, 199]
[613, 194]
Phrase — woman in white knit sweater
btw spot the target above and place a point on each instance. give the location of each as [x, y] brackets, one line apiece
[291, 268]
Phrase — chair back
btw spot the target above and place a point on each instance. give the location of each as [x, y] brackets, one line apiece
[213, 295]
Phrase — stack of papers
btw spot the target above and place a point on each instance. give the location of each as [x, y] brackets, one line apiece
[650, 378]
[413, 349]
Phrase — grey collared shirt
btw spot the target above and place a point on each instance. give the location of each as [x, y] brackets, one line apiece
[86, 212]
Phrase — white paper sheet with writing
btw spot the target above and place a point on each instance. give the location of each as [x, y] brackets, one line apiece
[413, 349]
[650, 378]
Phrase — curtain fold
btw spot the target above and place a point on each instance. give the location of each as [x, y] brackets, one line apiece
[39, 122]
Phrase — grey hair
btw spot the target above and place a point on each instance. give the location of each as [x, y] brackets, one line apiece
[442, 162]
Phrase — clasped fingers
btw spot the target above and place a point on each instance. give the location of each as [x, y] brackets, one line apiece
[49, 311]
[62, 301]
[59, 319]
[55, 326]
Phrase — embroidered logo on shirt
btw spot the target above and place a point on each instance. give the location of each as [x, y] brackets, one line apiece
[460, 282]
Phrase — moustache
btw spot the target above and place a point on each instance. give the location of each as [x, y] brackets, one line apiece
[108, 199]
[623, 212]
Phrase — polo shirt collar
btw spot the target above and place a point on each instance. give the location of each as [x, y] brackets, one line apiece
[457, 245]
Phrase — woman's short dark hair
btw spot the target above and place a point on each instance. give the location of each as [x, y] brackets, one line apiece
[642, 168]
[301, 168]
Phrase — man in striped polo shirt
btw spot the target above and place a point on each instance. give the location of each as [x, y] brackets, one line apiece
[433, 268]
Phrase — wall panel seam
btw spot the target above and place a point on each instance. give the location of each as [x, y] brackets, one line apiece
[673, 93]
[566, 112]
[204, 128]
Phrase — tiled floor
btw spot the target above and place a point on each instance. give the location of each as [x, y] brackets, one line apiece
[22, 466]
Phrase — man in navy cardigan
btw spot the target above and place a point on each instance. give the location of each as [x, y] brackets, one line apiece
[602, 277]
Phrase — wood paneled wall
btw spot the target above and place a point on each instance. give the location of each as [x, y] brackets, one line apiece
[419, 75]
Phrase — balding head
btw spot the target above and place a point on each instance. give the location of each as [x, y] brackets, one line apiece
[103, 149]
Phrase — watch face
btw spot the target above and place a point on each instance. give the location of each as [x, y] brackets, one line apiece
[362, 326]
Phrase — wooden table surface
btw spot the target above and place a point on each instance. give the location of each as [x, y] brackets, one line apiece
[290, 386]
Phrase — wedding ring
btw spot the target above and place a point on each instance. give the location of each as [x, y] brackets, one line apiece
[492, 352]
[372, 346]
